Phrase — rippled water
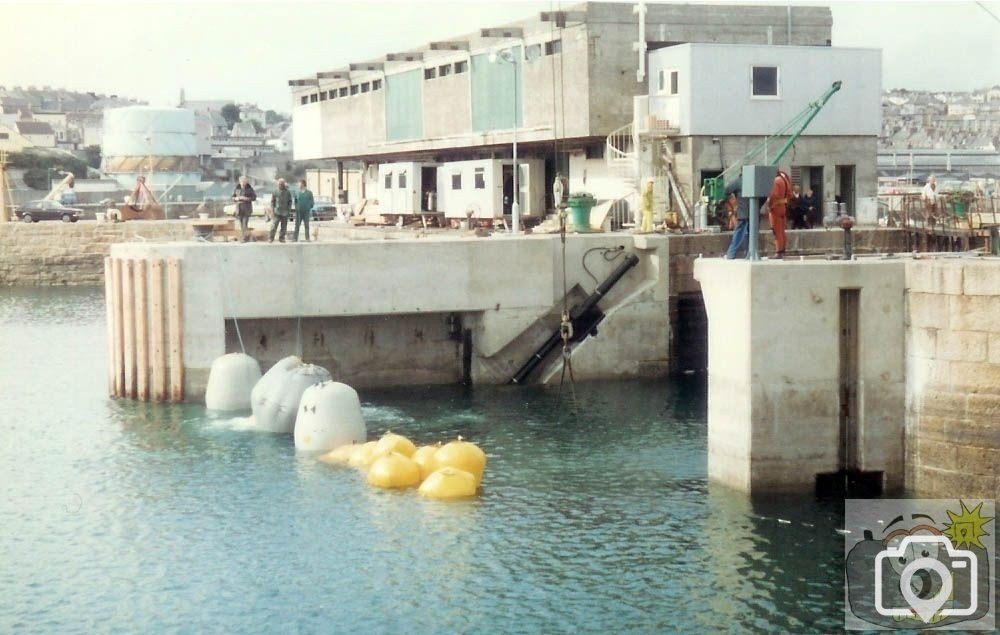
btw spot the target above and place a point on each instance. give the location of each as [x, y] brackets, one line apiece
[134, 518]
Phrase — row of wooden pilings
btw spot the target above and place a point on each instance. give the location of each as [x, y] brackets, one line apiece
[145, 333]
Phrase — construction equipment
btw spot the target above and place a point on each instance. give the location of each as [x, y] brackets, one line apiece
[141, 204]
[63, 191]
[713, 190]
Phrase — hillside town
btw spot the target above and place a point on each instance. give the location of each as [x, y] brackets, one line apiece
[913, 119]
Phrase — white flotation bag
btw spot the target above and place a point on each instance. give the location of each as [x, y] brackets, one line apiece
[231, 381]
[329, 416]
[275, 398]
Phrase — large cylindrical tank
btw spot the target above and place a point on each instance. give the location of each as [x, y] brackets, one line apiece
[147, 140]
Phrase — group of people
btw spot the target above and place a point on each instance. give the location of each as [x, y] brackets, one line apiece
[283, 203]
[784, 203]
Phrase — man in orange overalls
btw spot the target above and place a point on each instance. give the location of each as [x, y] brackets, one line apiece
[777, 210]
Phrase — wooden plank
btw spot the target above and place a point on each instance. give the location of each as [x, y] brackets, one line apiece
[176, 322]
[159, 340]
[109, 289]
[119, 337]
[128, 308]
[141, 332]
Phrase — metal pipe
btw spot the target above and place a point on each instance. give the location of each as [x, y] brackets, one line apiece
[752, 253]
[577, 316]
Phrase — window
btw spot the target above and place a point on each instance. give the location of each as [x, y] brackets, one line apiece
[388, 180]
[659, 83]
[4, 135]
[365, 87]
[461, 67]
[333, 94]
[313, 98]
[354, 89]
[456, 181]
[305, 99]
[673, 82]
[343, 91]
[444, 69]
[677, 147]
[402, 180]
[764, 81]
[376, 84]
[533, 52]
[322, 95]
[430, 73]
[480, 179]
[553, 47]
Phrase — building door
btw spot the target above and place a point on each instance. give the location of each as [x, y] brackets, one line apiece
[507, 177]
[428, 188]
[845, 187]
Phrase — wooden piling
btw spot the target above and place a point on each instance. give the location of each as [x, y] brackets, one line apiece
[118, 360]
[176, 330]
[159, 340]
[128, 308]
[141, 332]
[110, 322]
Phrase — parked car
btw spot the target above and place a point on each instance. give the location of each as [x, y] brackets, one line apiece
[324, 209]
[261, 207]
[47, 210]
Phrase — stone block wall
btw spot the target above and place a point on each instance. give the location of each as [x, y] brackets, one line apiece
[71, 254]
[953, 373]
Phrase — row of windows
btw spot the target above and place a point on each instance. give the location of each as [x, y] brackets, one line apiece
[478, 180]
[763, 81]
[534, 51]
[446, 69]
[343, 91]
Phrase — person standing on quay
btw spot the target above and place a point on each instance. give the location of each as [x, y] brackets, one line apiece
[741, 207]
[303, 208]
[244, 197]
[281, 206]
[777, 210]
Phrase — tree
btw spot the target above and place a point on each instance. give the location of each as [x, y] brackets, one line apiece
[231, 113]
[93, 156]
[271, 117]
[256, 126]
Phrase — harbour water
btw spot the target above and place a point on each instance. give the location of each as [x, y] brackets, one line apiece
[136, 518]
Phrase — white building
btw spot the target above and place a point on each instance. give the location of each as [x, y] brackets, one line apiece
[709, 104]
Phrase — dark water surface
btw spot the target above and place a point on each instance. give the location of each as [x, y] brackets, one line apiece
[135, 518]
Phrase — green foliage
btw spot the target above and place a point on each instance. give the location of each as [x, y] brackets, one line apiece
[231, 113]
[37, 179]
[256, 126]
[271, 117]
[41, 167]
[93, 156]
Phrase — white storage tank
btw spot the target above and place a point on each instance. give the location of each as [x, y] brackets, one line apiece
[147, 140]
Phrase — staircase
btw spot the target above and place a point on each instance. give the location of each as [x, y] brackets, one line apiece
[631, 157]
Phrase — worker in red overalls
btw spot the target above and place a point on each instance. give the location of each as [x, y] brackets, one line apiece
[777, 210]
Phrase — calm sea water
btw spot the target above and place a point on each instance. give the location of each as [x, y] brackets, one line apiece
[136, 518]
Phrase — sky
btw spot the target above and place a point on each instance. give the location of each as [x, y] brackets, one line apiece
[247, 51]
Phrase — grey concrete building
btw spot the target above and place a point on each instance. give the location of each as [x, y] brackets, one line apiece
[563, 81]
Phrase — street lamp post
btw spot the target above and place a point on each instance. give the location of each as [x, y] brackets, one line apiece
[515, 207]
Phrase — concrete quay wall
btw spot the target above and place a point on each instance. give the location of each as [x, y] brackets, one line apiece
[71, 254]
[384, 312]
[953, 377]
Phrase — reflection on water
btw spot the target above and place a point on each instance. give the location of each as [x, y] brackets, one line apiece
[133, 517]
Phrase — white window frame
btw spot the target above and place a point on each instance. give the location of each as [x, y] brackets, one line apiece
[777, 81]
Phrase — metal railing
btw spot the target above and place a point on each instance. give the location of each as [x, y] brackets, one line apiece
[909, 210]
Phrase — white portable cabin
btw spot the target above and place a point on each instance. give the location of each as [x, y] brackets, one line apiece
[403, 187]
[479, 185]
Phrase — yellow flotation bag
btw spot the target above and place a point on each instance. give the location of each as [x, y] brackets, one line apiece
[363, 455]
[341, 455]
[396, 443]
[394, 470]
[448, 483]
[424, 457]
[464, 456]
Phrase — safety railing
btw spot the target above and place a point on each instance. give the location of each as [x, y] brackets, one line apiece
[951, 211]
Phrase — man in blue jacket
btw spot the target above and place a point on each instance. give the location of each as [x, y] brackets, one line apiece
[303, 209]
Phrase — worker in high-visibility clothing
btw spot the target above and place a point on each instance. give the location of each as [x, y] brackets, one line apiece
[647, 208]
[777, 210]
